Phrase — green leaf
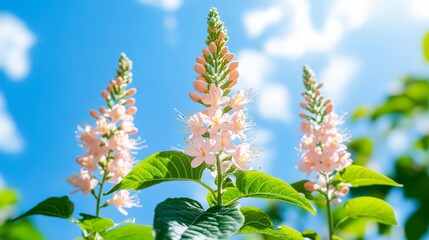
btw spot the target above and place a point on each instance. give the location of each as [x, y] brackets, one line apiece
[160, 167]
[228, 196]
[310, 234]
[19, 230]
[256, 221]
[299, 187]
[359, 176]
[184, 218]
[372, 208]
[129, 232]
[254, 184]
[95, 224]
[8, 197]
[426, 47]
[60, 207]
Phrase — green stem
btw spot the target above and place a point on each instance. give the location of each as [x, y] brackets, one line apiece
[328, 208]
[100, 192]
[219, 181]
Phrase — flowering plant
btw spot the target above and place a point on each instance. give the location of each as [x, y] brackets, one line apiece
[217, 141]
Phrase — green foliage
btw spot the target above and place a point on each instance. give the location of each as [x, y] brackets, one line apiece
[372, 208]
[95, 224]
[60, 207]
[19, 230]
[254, 184]
[257, 221]
[184, 218]
[129, 232]
[310, 234]
[359, 176]
[426, 46]
[299, 187]
[362, 149]
[8, 197]
[160, 167]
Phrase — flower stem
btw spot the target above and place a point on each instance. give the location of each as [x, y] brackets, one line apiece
[219, 181]
[100, 192]
[328, 210]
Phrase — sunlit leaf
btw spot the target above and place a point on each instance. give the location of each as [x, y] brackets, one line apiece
[257, 221]
[310, 234]
[184, 218]
[426, 46]
[19, 230]
[359, 176]
[372, 208]
[129, 232]
[8, 197]
[160, 167]
[95, 224]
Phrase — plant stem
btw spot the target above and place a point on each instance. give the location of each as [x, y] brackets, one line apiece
[219, 181]
[328, 210]
[100, 192]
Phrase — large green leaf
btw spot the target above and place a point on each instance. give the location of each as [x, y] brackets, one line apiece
[255, 184]
[19, 230]
[310, 234]
[160, 167]
[426, 46]
[129, 232]
[359, 176]
[60, 207]
[184, 218]
[372, 208]
[95, 224]
[256, 221]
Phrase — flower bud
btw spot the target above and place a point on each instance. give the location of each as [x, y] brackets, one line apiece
[336, 201]
[130, 101]
[233, 75]
[311, 186]
[328, 108]
[201, 60]
[229, 56]
[110, 88]
[119, 81]
[201, 78]
[224, 50]
[194, 97]
[131, 111]
[303, 115]
[105, 94]
[200, 86]
[221, 36]
[199, 68]
[93, 114]
[303, 105]
[132, 92]
[232, 82]
[212, 47]
[102, 110]
[233, 66]
[343, 191]
[206, 52]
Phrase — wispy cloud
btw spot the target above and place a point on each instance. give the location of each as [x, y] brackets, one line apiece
[256, 70]
[168, 5]
[10, 139]
[301, 36]
[15, 42]
[337, 76]
[257, 21]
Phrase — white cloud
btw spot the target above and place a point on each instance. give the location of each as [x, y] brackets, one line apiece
[258, 20]
[10, 139]
[337, 76]
[273, 103]
[302, 37]
[418, 9]
[168, 5]
[15, 42]
[255, 68]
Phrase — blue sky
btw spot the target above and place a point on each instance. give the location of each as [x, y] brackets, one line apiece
[56, 56]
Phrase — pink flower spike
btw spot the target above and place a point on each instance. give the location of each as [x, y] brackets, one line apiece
[212, 47]
[131, 111]
[229, 56]
[105, 94]
[130, 101]
[122, 199]
[233, 66]
[201, 60]
[238, 100]
[195, 125]
[83, 181]
[89, 161]
[224, 50]
[201, 78]
[214, 97]
[242, 156]
[200, 86]
[199, 68]
[116, 113]
[223, 142]
[311, 186]
[221, 36]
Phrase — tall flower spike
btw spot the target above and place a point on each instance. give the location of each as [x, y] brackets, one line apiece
[218, 133]
[108, 143]
[322, 145]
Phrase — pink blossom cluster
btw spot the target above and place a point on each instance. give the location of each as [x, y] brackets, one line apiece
[218, 133]
[108, 142]
[322, 145]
